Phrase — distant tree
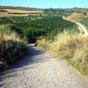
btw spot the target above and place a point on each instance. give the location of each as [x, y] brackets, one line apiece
[85, 13]
[40, 15]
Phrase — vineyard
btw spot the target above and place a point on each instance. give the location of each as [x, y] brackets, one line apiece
[36, 26]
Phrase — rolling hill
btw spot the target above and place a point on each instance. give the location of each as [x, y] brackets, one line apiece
[18, 11]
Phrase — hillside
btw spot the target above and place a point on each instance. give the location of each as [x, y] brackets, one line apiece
[66, 11]
[25, 11]
[18, 11]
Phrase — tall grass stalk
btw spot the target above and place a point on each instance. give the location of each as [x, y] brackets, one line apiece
[72, 47]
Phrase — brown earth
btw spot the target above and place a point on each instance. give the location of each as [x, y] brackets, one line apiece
[13, 12]
[77, 16]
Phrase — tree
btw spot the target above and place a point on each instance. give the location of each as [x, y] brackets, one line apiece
[85, 13]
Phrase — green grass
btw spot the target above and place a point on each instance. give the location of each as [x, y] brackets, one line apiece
[85, 22]
[12, 47]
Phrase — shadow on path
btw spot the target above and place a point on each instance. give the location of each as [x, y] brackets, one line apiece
[31, 57]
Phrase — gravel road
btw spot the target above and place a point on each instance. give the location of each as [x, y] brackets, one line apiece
[82, 28]
[39, 69]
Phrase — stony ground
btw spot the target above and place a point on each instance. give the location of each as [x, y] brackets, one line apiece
[39, 69]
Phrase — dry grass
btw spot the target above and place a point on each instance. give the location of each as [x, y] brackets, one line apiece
[6, 14]
[6, 34]
[10, 12]
[77, 17]
[22, 11]
[72, 47]
[12, 47]
[44, 43]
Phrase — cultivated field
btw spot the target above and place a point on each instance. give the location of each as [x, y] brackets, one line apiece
[77, 16]
[14, 12]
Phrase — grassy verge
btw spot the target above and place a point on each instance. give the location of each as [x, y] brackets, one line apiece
[70, 46]
[12, 47]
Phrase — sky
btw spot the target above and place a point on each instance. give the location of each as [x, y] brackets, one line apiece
[45, 3]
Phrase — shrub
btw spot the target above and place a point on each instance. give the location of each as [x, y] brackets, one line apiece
[12, 47]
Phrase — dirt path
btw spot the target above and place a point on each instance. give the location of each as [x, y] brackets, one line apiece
[39, 69]
[82, 28]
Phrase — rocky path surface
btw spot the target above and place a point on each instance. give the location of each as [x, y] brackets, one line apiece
[39, 69]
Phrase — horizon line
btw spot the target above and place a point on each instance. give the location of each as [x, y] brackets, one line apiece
[42, 7]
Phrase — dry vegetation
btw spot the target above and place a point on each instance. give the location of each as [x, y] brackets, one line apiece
[12, 47]
[77, 17]
[22, 11]
[6, 14]
[14, 12]
[70, 46]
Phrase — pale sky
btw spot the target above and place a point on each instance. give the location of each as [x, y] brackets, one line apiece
[46, 3]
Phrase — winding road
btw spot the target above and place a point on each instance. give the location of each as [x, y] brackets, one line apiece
[39, 69]
[82, 28]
